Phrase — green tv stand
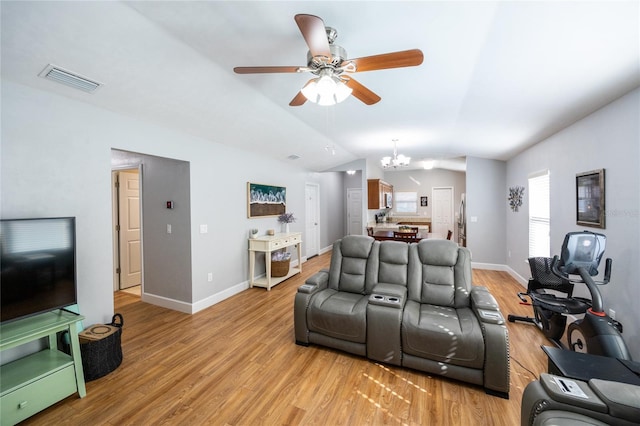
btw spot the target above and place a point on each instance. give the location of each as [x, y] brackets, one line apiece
[36, 381]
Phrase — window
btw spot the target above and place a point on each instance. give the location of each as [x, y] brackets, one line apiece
[539, 215]
[406, 202]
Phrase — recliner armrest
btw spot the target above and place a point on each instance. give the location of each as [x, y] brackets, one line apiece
[622, 399]
[318, 281]
[481, 298]
[307, 288]
[493, 317]
[485, 306]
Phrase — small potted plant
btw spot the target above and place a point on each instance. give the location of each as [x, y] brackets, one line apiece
[253, 233]
[285, 219]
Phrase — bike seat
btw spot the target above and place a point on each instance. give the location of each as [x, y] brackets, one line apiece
[561, 305]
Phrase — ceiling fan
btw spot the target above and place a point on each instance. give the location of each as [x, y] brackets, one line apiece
[332, 70]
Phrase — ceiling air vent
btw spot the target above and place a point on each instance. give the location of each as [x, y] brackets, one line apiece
[294, 157]
[71, 79]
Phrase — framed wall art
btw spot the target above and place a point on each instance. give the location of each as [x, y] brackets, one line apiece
[590, 205]
[265, 200]
[424, 201]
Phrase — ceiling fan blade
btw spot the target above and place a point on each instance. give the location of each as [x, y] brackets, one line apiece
[405, 58]
[361, 92]
[264, 70]
[298, 100]
[315, 34]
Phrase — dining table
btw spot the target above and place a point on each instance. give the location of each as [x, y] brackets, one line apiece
[389, 236]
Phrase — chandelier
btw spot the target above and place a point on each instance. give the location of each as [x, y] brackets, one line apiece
[395, 161]
[327, 89]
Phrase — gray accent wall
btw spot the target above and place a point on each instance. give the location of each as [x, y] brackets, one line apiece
[486, 214]
[608, 138]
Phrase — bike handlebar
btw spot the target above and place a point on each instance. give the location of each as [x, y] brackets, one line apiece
[596, 298]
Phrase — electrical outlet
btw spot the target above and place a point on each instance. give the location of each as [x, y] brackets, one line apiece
[612, 314]
[210, 276]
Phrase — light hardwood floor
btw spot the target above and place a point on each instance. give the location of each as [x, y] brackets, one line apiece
[236, 363]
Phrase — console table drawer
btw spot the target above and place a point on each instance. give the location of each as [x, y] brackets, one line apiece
[272, 243]
[38, 395]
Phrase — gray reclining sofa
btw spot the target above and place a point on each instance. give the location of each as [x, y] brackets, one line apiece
[409, 305]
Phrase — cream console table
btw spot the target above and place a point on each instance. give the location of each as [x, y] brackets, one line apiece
[269, 244]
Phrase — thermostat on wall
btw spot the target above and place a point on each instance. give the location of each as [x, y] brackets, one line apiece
[169, 204]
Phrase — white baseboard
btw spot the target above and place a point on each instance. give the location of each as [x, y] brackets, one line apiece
[165, 302]
[192, 308]
[326, 249]
[504, 268]
[219, 297]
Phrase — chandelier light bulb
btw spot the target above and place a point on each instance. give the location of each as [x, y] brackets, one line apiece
[395, 161]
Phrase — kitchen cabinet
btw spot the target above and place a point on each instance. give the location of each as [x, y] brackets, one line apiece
[380, 194]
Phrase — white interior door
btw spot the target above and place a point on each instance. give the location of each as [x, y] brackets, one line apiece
[442, 211]
[354, 211]
[312, 228]
[129, 229]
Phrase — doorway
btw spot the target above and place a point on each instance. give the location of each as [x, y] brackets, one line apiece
[312, 210]
[127, 226]
[354, 211]
[442, 210]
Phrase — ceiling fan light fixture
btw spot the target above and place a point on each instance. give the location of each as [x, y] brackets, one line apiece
[326, 90]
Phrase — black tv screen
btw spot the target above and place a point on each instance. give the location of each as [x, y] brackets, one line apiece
[38, 263]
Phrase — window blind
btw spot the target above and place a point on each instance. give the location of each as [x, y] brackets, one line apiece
[406, 202]
[539, 215]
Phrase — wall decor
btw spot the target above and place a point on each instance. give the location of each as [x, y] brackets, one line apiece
[424, 201]
[265, 200]
[515, 197]
[590, 206]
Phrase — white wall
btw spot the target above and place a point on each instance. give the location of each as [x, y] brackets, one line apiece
[610, 139]
[56, 161]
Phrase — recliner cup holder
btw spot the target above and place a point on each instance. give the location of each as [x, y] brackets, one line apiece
[386, 300]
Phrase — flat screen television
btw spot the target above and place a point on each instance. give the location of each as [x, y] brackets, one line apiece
[38, 263]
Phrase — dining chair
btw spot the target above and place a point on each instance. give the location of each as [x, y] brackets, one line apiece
[408, 237]
[449, 234]
[370, 231]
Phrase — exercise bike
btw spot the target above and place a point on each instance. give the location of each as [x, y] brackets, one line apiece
[596, 333]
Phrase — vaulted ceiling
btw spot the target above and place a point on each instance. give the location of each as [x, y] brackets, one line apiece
[497, 76]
